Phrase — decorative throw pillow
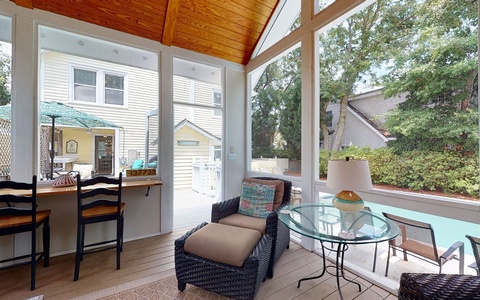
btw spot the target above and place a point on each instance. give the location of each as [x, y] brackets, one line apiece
[279, 189]
[256, 199]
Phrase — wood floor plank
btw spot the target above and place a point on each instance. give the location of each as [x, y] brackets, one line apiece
[153, 257]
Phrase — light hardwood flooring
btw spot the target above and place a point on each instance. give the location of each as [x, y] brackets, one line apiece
[155, 256]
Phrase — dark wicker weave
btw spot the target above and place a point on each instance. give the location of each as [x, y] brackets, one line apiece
[279, 231]
[230, 281]
[421, 286]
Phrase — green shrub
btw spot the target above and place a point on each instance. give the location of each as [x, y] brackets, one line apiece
[444, 172]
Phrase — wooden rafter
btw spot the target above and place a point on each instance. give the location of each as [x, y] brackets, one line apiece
[170, 20]
[25, 3]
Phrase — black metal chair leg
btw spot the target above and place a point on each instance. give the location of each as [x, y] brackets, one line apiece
[33, 261]
[78, 253]
[388, 261]
[46, 243]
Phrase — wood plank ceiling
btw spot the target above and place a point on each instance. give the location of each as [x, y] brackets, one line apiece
[228, 29]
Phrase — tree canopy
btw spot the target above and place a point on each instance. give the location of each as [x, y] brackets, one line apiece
[5, 71]
[438, 72]
[428, 50]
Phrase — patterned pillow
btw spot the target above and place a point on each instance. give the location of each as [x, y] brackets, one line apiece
[256, 199]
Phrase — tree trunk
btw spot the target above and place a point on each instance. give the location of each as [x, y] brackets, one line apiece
[337, 143]
[326, 137]
[323, 125]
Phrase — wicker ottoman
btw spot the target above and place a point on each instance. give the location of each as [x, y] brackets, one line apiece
[421, 286]
[229, 276]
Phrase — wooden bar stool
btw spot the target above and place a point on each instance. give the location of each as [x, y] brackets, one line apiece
[100, 204]
[19, 214]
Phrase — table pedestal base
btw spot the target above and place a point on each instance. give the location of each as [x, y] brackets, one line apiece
[340, 250]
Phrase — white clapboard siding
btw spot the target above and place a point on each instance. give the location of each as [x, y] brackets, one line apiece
[142, 96]
[187, 90]
[141, 88]
[186, 155]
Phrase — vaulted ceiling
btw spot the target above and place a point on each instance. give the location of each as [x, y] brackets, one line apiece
[228, 29]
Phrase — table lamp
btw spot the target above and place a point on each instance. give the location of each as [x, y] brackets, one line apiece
[348, 175]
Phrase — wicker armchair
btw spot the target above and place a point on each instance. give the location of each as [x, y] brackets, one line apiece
[276, 229]
[423, 286]
[227, 280]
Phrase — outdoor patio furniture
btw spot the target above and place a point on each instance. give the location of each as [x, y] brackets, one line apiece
[227, 260]
[418, 239]
[85, 170]
[369, 220]
[19, 214]
[423, 286]
[226, 212]
[137, 164]
[475, 241]
[98, 205]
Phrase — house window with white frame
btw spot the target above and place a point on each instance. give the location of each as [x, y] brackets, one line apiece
[217, 153]
[217, 103]
[84, 85]
[98, 86]
[114, 89]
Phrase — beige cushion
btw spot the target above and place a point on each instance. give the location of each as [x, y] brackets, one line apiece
[222, 243]
[244, 221]
[279, 188]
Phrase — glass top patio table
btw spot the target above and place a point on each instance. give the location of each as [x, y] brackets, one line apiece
[326, 223]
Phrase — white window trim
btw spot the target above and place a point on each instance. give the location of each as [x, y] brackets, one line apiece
[217, 108]
[100, 91]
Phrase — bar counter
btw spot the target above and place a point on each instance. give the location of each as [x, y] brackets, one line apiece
[142, 215]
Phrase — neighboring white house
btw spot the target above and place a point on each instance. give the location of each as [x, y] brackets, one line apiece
[195, 152]
[366, 114]
[133, 95]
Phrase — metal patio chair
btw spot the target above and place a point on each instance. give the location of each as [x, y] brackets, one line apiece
[475, 241]
[418, 239]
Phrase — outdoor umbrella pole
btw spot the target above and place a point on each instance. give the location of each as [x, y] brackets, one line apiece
[52, 150]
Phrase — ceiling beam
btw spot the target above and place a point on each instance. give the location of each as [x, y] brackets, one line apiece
[170, 20]
[25, 3]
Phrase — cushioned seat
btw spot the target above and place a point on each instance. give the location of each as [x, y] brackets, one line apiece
[229, 212]
[230, 261]
[244, 221]
[223, 243]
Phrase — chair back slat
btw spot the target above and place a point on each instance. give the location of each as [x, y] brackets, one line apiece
[11, 198]
[100, 191]
[15, 211]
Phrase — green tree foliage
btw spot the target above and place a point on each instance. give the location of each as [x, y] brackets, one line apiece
[291, 115]
[355, 48]
[5, 75]
[276, 109]
[265, 110]
[438, 73]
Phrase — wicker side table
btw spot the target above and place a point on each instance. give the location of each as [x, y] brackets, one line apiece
[227, 280]
[422, 286]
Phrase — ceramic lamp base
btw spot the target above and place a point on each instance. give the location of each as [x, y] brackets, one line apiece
[348, 201]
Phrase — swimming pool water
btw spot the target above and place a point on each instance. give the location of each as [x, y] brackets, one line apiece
[447, 231]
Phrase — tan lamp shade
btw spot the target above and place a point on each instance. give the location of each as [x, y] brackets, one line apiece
[348, 175]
